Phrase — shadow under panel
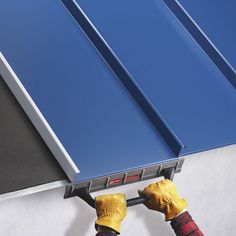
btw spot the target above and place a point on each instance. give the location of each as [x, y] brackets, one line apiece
[25, 160]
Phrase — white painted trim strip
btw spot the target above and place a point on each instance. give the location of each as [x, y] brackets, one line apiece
[38, 119]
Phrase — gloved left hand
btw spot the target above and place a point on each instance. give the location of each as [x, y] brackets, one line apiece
[111, 210]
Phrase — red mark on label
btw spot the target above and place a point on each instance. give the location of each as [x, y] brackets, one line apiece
[133, 177]
[115, 181]
[120, 180]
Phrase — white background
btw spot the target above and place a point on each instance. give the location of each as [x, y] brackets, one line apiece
[207, 181]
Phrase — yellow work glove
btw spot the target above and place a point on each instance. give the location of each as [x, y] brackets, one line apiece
[164, 198]
[111, 210]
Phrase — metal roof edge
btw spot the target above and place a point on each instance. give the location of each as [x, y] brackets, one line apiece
[37, 119]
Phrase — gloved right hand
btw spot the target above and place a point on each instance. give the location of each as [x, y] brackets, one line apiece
[164, 198]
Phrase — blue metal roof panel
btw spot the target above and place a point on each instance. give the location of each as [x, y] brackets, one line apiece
[204, 42]
[187, 100]
[217, 20]
[176, 75]
[92, 114]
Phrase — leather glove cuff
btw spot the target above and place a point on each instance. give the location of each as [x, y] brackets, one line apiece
[174, 208]
[109, 221]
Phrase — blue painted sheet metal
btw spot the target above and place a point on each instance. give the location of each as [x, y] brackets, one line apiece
[97, 121]
[203, 40]
[167, 87]
[169, 66]
[123, 74]
[217, 20]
